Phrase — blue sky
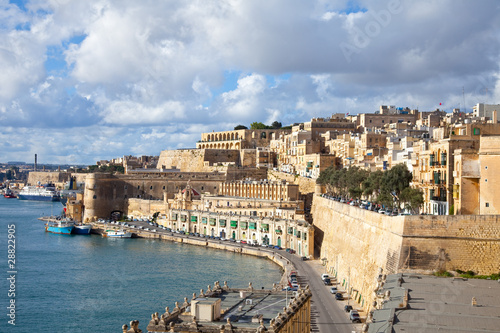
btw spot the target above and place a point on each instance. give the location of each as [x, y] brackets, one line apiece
[90, 80]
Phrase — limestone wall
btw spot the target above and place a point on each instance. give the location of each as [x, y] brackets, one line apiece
[196, 160]
[306, 185]
[356, 243]
[47, 177]
[465, 242]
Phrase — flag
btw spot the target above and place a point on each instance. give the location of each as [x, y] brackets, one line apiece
[440, 103]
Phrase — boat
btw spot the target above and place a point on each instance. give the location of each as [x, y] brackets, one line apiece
[9, 194]
[45, 192]
[117, 234]
[82, 229]
[57, 226]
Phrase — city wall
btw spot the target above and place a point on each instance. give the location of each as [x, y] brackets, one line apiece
[44, 177]
[355, 243]
[197, 160]
[465, 242]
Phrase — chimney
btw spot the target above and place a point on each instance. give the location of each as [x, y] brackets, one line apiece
[35, 161]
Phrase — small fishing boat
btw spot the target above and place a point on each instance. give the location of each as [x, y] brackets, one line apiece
[82, 229]
[62, 226]
[117, 234]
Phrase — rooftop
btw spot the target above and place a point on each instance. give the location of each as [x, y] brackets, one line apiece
[436, 304]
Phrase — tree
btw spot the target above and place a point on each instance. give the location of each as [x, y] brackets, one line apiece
[412, 198]
[240, 127]
[276, 125]
[258, 125]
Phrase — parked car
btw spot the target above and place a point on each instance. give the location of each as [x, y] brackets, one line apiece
[304, 258]
[278, 247]
[289, 289]
[244, 242]
[347, 308]
[339, 297]
[327, 282]
[354, 316]
[333, 290]
[325, 276]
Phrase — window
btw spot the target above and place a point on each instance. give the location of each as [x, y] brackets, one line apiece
[151, 187]
[487, 204]
[476, 131]
[95, 196]
[486, 168]
[486, 180]
[163, 187]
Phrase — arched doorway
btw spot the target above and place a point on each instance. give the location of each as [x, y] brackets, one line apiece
[194, 229]
[223, 234]
[204, 230]
[212, 232]
[234, 235]
[116, 215]
[279, 241]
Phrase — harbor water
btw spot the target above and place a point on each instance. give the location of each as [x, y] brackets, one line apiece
[71, 283]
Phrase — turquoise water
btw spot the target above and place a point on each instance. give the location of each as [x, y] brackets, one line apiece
[93, 284]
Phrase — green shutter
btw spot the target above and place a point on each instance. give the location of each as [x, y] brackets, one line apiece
[253, 225]
[234, 224]
[243, 225]
[204, 220]
[222, 223]
[265, 226]
[290, 230]
[212, 221]
[183, 218]
[194, 218]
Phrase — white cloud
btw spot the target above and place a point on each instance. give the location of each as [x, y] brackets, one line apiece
[142, 66]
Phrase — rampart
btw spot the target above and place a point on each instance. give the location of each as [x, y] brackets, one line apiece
[48, 177]
[197, 160]
[355, 243]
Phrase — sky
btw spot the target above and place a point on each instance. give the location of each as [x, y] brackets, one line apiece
[82, 81]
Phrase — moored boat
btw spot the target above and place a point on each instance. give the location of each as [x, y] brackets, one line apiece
[45, 192]
[9, 194]
[82, 229]
[60, 226]
[117, 234]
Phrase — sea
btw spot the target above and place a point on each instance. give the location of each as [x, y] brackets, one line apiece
[73, 283]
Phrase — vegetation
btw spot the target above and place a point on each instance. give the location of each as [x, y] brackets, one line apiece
[240, 127]
[259, 125]
[472, 275]
[103, 168]
[390, 188]
[443, 273]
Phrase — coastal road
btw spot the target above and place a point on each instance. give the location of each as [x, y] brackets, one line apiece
[327, 315]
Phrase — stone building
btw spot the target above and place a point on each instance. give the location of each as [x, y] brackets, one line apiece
[221, 309]
[238, 139]
[261, 189]
[286, 233]
[476, 181]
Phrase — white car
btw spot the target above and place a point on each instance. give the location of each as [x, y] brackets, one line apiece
[324, 276]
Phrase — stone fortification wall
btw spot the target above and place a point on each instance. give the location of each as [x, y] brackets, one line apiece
[306, 185]
[45, 177]
[196, 160]
[106, 193]
[356, 243]
[140, 207]
[465, 242]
